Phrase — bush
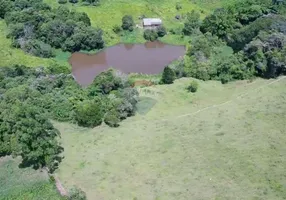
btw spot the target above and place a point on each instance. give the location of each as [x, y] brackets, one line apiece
[161, 31]
[193, 87]
[178, 6]
[62, 1]
[112, 118]
[127, 23]
[150, 34]
[73, 1]
[76, 194]
[91, 2]
[89, 113]
[38, 48]
[168, 76]
[192, 23]
[116, 29]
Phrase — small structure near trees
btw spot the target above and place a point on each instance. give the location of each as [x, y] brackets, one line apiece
[151, 22]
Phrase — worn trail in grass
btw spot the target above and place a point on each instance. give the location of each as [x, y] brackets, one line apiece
[235, 151]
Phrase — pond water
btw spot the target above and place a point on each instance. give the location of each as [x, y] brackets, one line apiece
[148, 58]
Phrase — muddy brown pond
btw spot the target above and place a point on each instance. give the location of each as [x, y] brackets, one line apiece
[148, 58]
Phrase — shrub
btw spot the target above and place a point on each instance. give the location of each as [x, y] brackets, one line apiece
[73, 1]
[150, 35]
[62, 1]
[168, 76]
[161, 31]
[91, 2]
[89, 113]
[193, 87]
[178, 6]
[38, 48]
[112, 118]
[116, 29]
[192, 23]
[76, 194]
[127, 23]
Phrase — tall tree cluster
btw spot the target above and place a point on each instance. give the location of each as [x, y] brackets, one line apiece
[242, 40]
[38, 29]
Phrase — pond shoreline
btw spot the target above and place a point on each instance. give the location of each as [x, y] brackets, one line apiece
[147, 58]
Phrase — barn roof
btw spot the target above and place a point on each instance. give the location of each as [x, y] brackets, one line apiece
[151, 21]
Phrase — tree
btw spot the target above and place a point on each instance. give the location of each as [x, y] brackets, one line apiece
[105, 82]
[127, 23]
[193, 87]
[220, 23]
[5, 7]
[161, 31]
[150, 34]
[33, 136]
[168, 75]
[192, 23]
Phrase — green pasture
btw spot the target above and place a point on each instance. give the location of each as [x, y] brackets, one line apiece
[222, 142]
[24, 183]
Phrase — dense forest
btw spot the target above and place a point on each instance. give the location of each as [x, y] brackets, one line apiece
[38, 29]
[244, 40]
[241, 41]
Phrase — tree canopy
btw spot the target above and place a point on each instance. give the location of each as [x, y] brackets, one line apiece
[38, 29]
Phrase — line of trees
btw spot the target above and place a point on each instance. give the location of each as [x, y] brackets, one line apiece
[38, 29]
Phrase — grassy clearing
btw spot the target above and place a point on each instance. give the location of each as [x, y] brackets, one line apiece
[24, 184]
[232, 151]
[110, 12]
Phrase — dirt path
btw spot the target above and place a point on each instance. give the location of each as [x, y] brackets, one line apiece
[224, 103]
[60, 187]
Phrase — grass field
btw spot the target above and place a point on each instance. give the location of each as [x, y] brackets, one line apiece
[24, 184]
[223, 142]
[110, 13]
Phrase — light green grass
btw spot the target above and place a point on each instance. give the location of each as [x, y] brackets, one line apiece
[232, 151]
[24, 184]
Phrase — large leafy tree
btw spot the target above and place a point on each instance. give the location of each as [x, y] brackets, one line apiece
[127, 23]
[168, 75]
[25, 131]
[192, 23]
[220, 23]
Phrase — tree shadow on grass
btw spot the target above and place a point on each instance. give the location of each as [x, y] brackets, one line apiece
[145, 104]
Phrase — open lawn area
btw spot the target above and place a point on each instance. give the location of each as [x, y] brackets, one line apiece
[222, 142]
[24, 183]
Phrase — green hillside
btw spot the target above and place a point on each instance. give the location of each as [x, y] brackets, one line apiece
[223, 142]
